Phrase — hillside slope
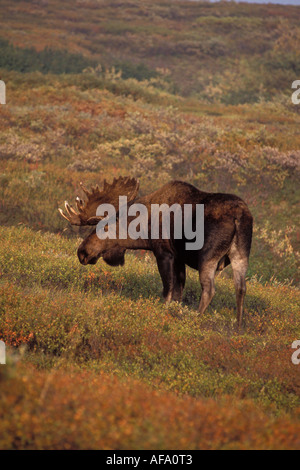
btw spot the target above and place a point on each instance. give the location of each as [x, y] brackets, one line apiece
[95, 359]
[231, 52]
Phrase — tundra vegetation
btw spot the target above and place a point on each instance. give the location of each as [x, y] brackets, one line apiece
[159, 90]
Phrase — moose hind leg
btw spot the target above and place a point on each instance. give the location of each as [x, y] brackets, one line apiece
[239, 265]
[207, 280]
[239, 277]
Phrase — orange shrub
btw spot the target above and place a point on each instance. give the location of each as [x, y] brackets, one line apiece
[73, 410]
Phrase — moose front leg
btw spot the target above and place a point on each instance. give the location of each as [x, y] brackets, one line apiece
[180, 276]
[165, 264]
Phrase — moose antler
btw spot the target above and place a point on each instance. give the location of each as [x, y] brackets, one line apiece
[86, 215]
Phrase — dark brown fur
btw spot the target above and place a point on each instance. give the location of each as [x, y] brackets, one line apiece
[227, 239]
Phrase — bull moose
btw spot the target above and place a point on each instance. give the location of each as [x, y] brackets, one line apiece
[227, 236]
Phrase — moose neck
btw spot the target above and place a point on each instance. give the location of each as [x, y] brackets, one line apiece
[130, 232]
[132, 240]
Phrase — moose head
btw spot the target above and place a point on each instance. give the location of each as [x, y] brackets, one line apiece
[92, 247]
